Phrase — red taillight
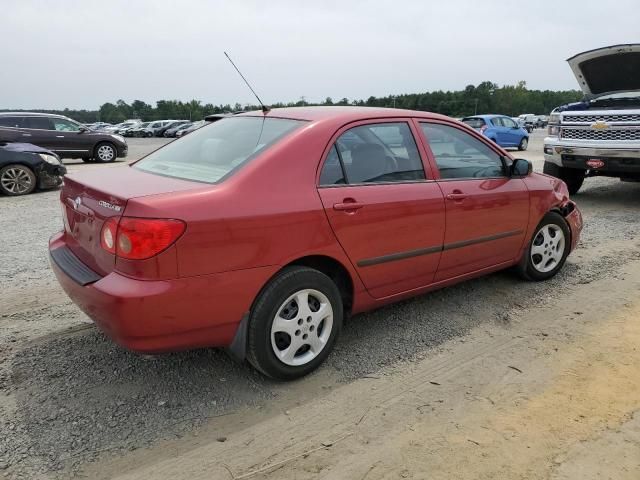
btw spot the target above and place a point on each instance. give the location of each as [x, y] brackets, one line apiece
[108, 235]
[140, 238]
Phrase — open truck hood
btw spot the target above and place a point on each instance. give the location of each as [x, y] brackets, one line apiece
[607, 70]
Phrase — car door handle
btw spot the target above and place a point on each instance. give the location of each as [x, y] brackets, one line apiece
[346, 206]
[59, 136]
[26, 134]
[457, 196]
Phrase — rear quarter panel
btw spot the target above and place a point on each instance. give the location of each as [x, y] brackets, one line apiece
[267, 213]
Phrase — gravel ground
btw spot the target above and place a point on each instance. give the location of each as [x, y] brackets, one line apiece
[68, 395]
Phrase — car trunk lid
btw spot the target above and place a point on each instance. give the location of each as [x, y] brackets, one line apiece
[608, 70]
[90, 198]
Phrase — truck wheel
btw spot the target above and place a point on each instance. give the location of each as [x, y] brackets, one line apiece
[573, 177]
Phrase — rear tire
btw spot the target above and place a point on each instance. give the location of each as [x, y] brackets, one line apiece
[547, 250]
[524, 143]
[17, 180]
[287, 339]
[574, 178]
[105, 152]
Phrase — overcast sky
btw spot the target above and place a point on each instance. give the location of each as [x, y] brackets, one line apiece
[82, 53]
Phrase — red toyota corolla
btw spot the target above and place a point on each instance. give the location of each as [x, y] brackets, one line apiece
[262, 232]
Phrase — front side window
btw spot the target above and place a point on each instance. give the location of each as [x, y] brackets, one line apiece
[382, 152]
[211, 153]
[507, 122]
[460, 155]
[63, 125]
[498, 122]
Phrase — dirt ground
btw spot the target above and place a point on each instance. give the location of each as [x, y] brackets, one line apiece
[491, 379]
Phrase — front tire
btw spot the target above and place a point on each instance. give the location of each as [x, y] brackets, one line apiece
[574, 178]
[547, 250]
[105, 152]
[294, 323]
[17, 180]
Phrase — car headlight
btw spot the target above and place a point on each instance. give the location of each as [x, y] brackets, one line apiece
[554, 118]
[120, 138]
[51, 159]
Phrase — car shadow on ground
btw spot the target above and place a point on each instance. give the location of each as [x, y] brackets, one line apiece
[79, 395]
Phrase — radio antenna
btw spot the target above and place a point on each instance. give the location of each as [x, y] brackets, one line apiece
[265, 109]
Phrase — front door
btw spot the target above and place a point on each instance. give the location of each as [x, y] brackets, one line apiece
[68, 139]
[387, 216]
[487, 212]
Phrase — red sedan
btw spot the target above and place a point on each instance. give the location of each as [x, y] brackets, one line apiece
[263, 231]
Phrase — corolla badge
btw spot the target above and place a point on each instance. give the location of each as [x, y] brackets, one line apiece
[76, 203]
[600, 125]
[104, 204]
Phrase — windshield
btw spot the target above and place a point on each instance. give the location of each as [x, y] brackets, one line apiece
[211, 153]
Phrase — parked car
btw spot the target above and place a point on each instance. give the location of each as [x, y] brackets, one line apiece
[262, 232]
[530, 121]
[160, 131]
[191, 128]
[500, 129]
[136, 130]
[25, 167]
[116, 129]
[97, 126]
[599, 136]
[66, 137]
[171, 132]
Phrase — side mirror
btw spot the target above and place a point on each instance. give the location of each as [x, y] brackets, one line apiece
[521, 168]
[83, 129]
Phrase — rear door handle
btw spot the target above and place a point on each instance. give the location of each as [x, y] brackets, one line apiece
[59, 136]
[26, 134]
[457, 196]
[346, 206]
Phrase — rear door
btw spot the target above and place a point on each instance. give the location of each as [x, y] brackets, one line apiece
[38, 130]
[487, 212]
[10, 130]
[387, 215]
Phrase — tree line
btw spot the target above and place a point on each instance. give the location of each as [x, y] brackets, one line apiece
[487, 97]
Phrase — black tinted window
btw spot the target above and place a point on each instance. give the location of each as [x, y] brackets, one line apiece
[41, 123]
[382, 152]
[460, 155]
[10, 121]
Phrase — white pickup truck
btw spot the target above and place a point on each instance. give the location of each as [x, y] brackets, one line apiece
[599, 136]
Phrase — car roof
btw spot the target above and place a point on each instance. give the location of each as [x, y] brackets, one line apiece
[344, 114]
[30, 114]
[485, 116]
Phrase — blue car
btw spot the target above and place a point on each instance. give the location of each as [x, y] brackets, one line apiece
[501, 129]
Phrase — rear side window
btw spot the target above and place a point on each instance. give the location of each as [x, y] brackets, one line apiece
[507, 122]
[377, 153]
[40, 123]
[460, 155]
[211, 153]
[14, 122]
[474, 122]
[498, 122]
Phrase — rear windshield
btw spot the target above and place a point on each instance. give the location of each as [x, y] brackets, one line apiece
[214, 151]
[474, 122]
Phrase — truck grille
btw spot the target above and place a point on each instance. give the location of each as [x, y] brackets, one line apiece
[632, 117]
[611, 134]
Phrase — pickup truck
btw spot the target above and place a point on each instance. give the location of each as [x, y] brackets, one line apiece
[599, 136]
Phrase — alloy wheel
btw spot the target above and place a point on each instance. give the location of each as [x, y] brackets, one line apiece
[106, 153]
[16, 180]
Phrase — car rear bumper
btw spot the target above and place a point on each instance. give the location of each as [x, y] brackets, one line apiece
[160, 315]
